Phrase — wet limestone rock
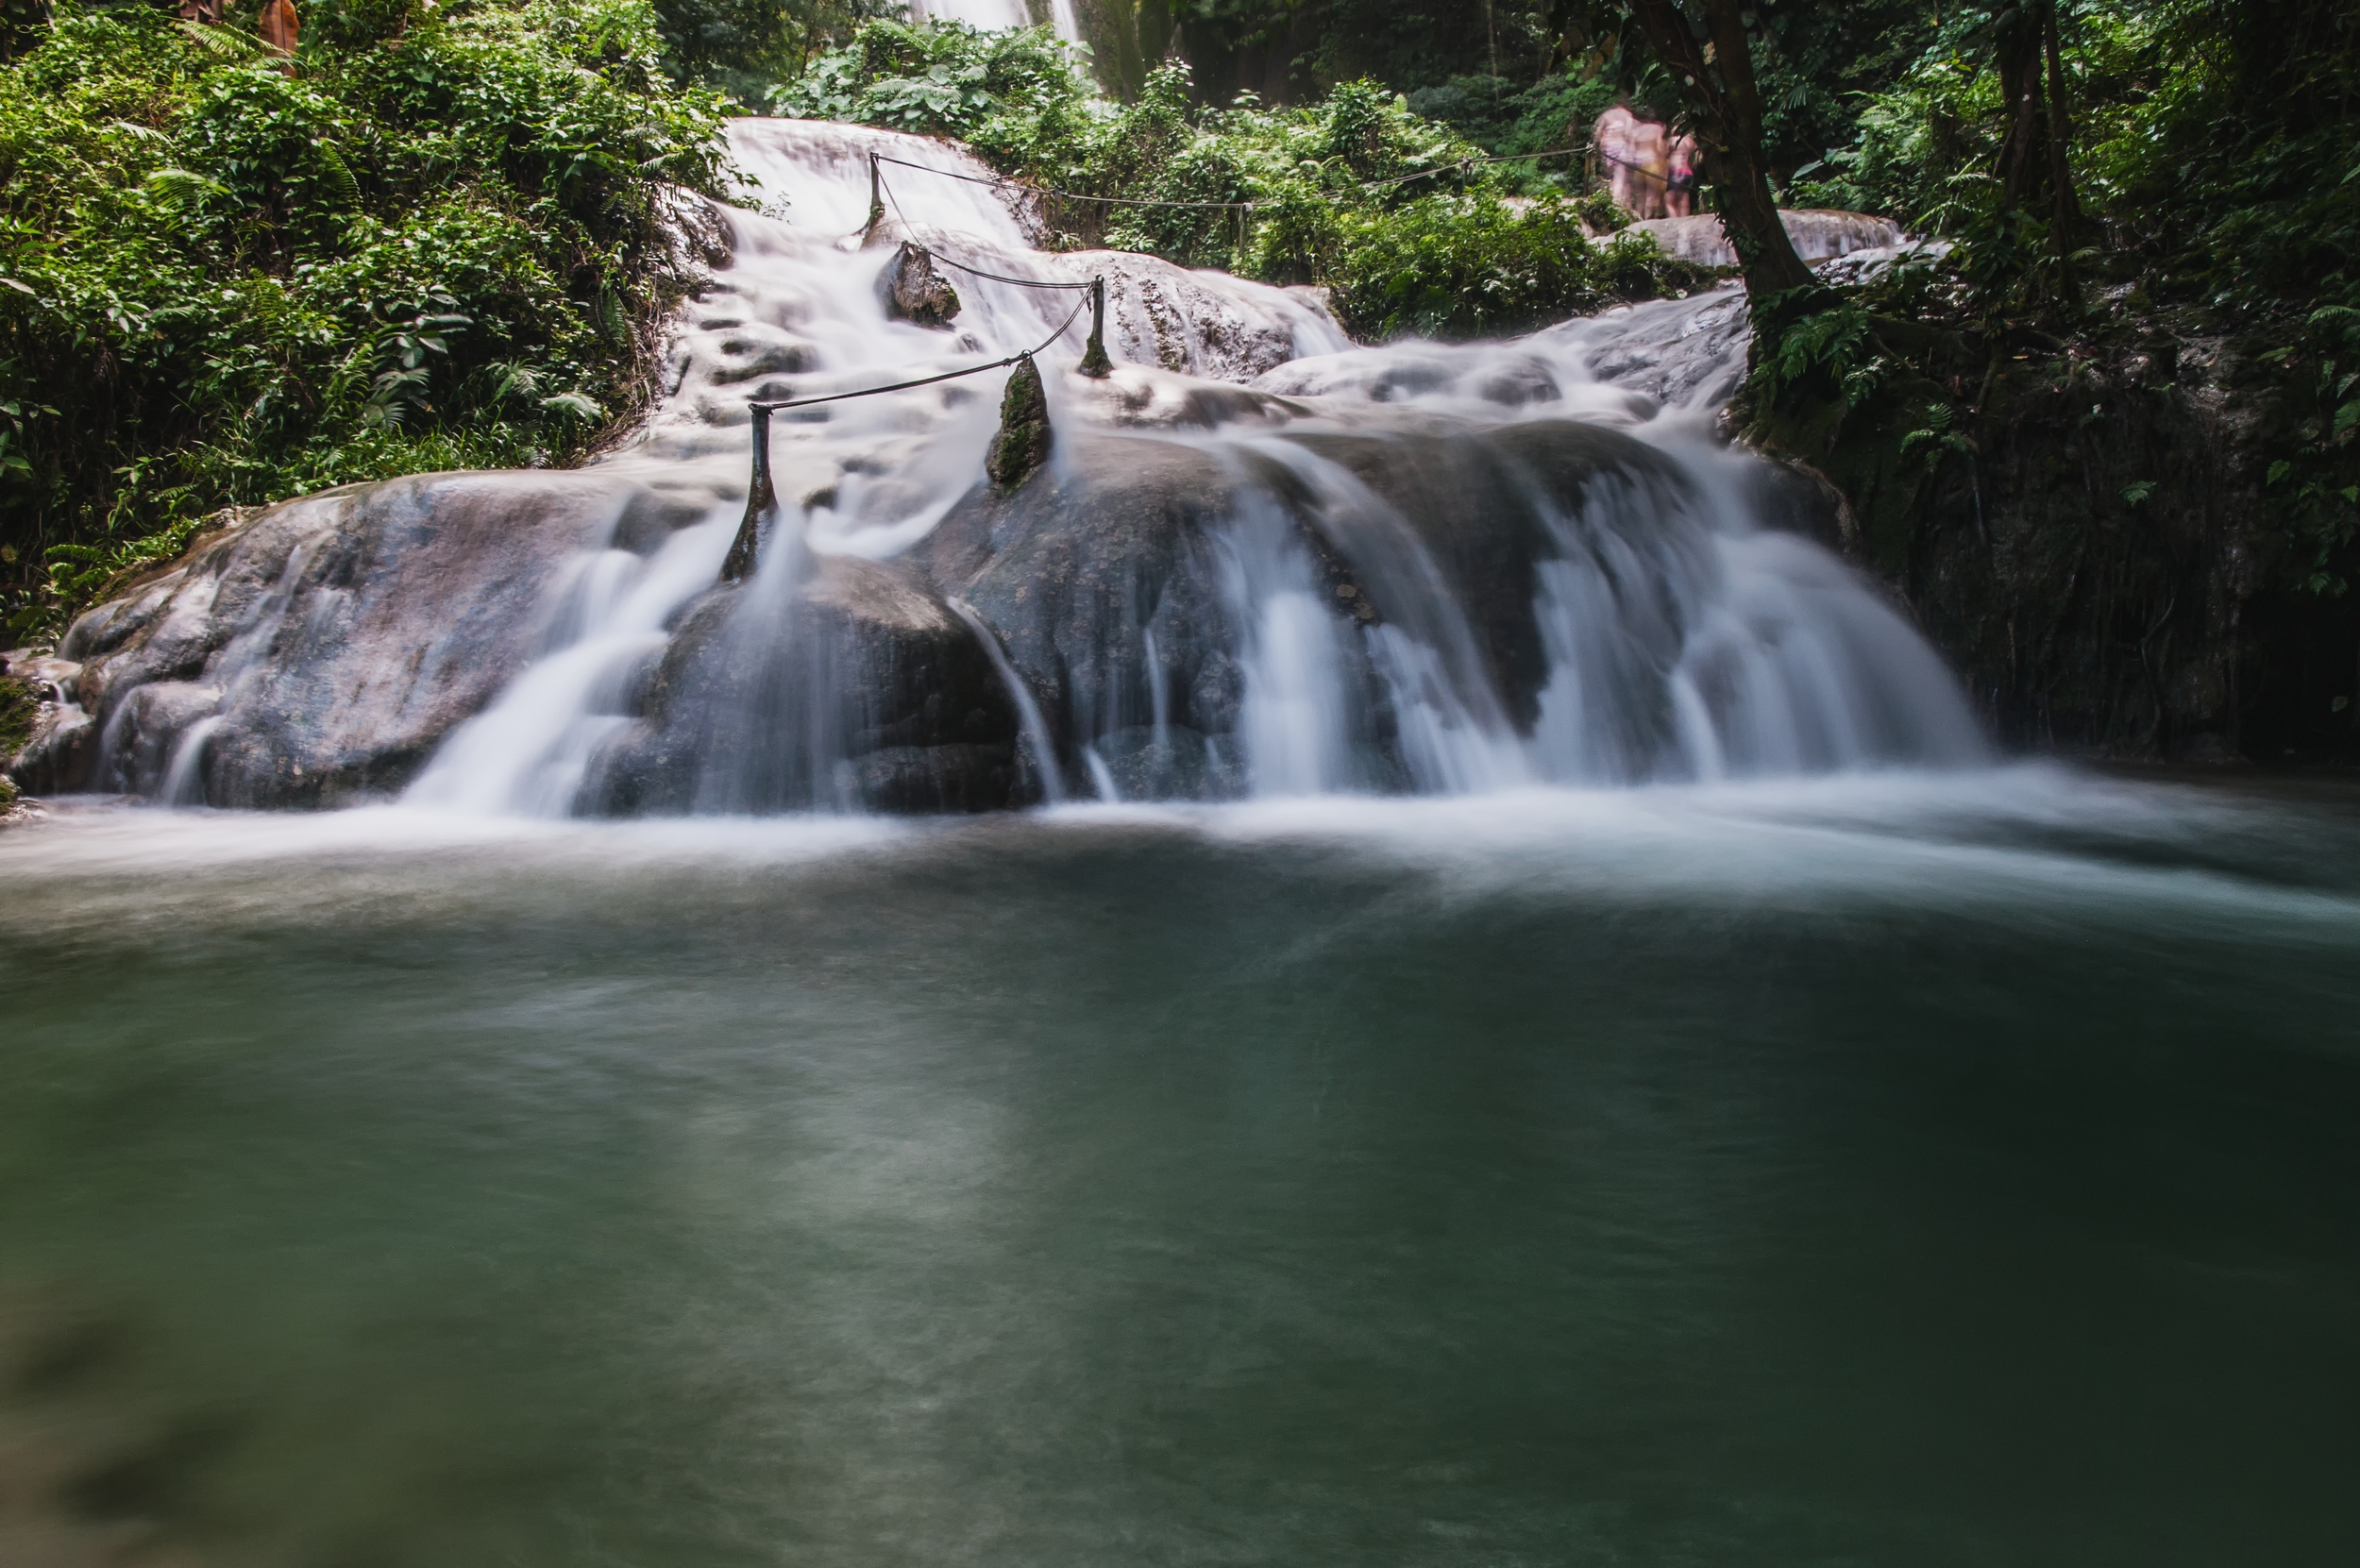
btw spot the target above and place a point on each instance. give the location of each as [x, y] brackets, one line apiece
[1819, 234]
[750, 709]
[329, 643]
[915, 290]
[1100, 580]
[1104, 579]
[1474, 502]
[1024, 439]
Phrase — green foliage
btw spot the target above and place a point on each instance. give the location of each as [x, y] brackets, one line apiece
[1830, 342]
[1938, 439]
[78, 573]
[1504, 119]
[2212, 157]
[746, 47]
[2315, 484]
[1813, 64]
[440, 241]
[1411, 46]
[1471, 266]
[1396, 213]
[942, 80]
[17, 709]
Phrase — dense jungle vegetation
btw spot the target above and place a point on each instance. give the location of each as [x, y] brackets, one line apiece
[1404, 218]
[436, 236]
[2110, 176]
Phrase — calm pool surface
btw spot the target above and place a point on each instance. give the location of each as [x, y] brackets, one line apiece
[1914, 1171]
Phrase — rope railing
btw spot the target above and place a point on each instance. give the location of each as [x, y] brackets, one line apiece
[1664, 180]
[771, 406]
[762, 496]
[879, 193]
[1455, 166]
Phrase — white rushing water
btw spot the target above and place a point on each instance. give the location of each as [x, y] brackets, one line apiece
[1683, 640]
[992, 15]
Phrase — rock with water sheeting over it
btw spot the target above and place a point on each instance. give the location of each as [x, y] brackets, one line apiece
[915, 292]
[1820, 234]
[1090, 563]
[1109, 577]
[832, 682]
[319, 652]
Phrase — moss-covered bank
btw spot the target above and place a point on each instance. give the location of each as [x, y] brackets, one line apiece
[2089, 531]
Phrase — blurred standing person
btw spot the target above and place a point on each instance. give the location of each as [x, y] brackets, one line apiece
[1611, 137]
[1650, 143]
[1680, 188]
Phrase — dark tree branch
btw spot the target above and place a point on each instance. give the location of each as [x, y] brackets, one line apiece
[1725, 106]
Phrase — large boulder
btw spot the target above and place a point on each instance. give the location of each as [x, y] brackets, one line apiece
[837, 683]
[1099, 577]
[1110, 577]
[319, 652]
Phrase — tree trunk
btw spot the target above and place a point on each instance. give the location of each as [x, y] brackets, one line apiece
[2032, 170]
[2068, 212]
[1724, 109]
[2024, 151]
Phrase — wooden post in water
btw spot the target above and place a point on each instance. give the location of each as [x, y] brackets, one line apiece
[876, 198]
[761, 504]
[1095, 363]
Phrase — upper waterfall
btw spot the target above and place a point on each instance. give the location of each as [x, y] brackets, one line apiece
[992, 15]
[1261, 561]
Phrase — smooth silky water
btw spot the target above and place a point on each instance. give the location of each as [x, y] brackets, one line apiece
[1825, 1148]
[1911, 1169]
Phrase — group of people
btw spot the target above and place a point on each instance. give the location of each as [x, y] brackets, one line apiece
[1651, 170]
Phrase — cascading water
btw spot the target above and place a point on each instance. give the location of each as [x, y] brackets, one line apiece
[1655, 632]
[1258, 560]
[992, 15]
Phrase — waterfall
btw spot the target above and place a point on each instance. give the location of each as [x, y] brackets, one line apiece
[1040, 751]
[231, 674]
[1392, 576]
[992, 15]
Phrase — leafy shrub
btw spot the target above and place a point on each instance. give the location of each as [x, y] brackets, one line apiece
[746, 47]
[2314, 485]
[441, 240]
[1471, 266]
[1398, 213]
[945, 78]
[2211, 155]
[1506, 118]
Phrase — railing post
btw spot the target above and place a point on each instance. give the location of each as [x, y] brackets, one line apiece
[876, 196]
[761, 503]
[1095, 363]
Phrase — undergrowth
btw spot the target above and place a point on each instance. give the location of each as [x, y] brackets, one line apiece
[1397, 214]
[2212, 159]
[438, 238]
